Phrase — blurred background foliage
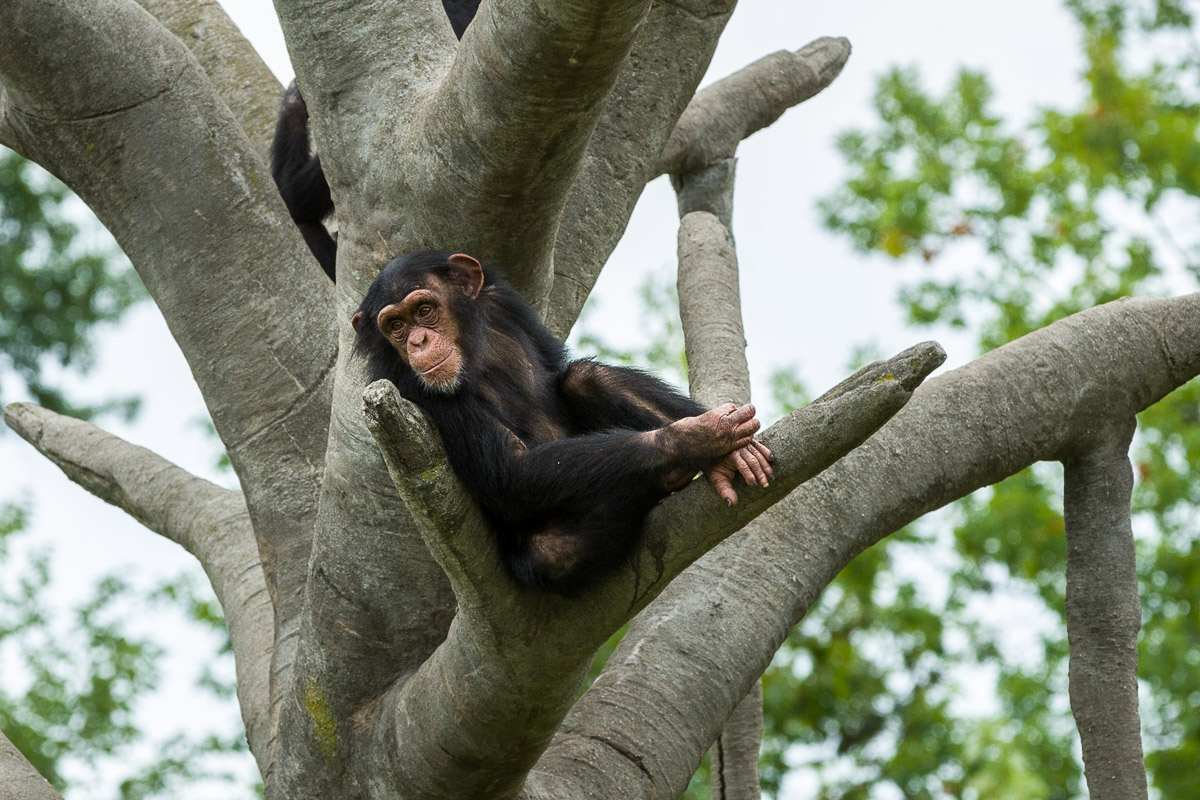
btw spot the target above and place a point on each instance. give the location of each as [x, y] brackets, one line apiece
[935, 666]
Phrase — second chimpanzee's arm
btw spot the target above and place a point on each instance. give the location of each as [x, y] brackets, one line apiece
[301, 182]
[601, 397]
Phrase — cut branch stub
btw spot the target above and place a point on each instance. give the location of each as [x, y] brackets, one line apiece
[448, 520]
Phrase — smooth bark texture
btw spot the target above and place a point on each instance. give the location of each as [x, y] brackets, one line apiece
[209, 522]
[404, 662]
[241, 77]
[1030, 400]
[18, 779]
[733, 760]
[513, 659]
[142, 136]
[1104, 612]
[709, 130]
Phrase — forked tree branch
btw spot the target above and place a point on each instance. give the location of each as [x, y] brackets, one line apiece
[139, 132]
[670, 55]
[1030, 400]
[1104, 612]
[209, 522]
[241, 77]
[18, 779]
[496, 689]
[731, 110]
[709, 130]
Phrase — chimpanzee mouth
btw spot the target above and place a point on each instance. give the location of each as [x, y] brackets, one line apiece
[436, 366]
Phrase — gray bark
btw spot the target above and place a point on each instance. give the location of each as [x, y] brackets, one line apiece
[1104, 612]
[209, 522]
[18, 779]
[403, 662]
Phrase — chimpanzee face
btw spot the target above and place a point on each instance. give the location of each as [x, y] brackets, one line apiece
[420, 319]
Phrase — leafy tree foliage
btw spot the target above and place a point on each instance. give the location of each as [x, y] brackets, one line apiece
[55, 286]
[1019, 226]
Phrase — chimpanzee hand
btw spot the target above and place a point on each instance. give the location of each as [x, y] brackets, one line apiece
[711, 435]
[752, 462]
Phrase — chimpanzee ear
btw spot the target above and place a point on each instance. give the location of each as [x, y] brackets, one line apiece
[356, 320]
[468, 273]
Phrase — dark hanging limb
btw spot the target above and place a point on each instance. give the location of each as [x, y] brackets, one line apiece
[1104, 614]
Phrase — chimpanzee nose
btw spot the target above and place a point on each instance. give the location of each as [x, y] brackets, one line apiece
[418, 338]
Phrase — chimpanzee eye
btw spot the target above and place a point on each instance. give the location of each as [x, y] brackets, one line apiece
[396, 326]
[424, 312]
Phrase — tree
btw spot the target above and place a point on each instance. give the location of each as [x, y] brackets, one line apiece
[380, 651]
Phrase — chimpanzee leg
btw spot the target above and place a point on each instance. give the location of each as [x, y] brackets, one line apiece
[600, 396]
[301, 182]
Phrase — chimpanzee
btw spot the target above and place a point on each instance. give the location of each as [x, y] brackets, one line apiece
[565, 458]
[297, 171]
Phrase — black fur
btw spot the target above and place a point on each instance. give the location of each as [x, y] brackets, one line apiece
[297, 171]
[566, 502]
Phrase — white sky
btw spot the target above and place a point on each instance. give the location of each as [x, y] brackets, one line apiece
[808, 298]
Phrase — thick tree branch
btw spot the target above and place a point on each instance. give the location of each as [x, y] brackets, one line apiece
[113, 104]
[513, 119]
[209, 522]
[708, 131]
[673, 49]
[1104, 612]
[18, 779]
[496, 689]
[1028, 401]
[244, 81]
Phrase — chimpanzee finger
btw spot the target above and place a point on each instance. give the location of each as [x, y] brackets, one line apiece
[721, 484]
[741, 414]
[760, 475]
[765, 456]
[748, 428]
[743, 466]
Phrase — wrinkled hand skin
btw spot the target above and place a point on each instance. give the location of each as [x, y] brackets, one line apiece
[723, 436]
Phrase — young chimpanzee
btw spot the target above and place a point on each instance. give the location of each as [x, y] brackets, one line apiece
[297, 171]
[565, 458]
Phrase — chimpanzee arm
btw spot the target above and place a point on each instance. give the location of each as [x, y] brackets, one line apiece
[514, 482]
[600, 396]
[301, 182]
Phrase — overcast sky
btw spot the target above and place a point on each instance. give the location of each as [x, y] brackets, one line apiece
[807, 297]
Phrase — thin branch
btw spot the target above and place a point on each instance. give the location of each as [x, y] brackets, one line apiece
[734, 758]
[209, 522]
[673, 49]
[710, 309]
[1104, 613]
[18, 779]
[724, 114]
[113, 104]
[488, 699]
[241, 77]
[1030, 400]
